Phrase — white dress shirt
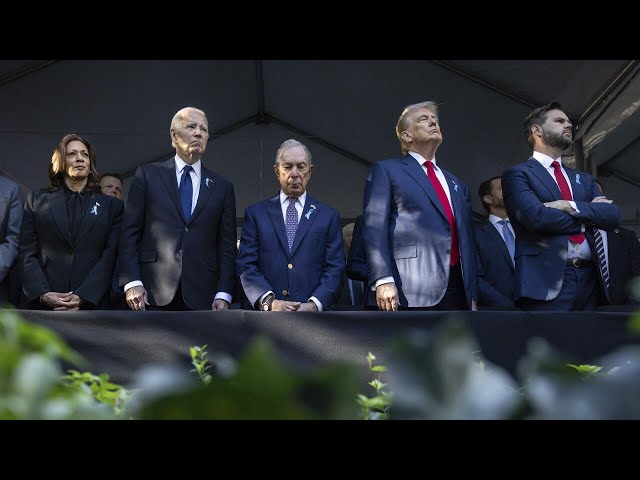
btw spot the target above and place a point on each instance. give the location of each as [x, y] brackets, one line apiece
[195, 181]
[575, 250]
[284, 203]
[445, 186]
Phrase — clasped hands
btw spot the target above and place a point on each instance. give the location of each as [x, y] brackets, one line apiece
[61, 301]
[137, 299]
[288, 306]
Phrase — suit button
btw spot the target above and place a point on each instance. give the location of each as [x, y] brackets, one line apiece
[71, 252]
[285, 292]
[289, 266]
[186, 229]
[448, 252]
[564, 249]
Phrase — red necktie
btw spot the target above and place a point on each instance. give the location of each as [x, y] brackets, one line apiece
[566, 195]
[444, 201]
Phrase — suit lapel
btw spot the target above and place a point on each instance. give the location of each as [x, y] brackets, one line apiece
[413, 168]
[497, 238]
[168, 169]
[58, 209]
[543, 175]
[97, 205]
[205, 191]
[275, 212]
[309, 214]
[576, 188]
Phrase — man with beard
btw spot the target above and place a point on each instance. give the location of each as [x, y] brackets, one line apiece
[555, 212]
[495, 241]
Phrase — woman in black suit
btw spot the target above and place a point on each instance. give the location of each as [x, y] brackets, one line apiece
[69, 235]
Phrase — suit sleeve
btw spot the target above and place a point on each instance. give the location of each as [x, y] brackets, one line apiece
[227, 244]
[357, 261]
[98, 280]
[634, 253]
[329, 287]
[523, 204]
[475, 285]
[377, 209]
[605, 216]
[132, 226]
[34, 281]
[252, 280]
[9, 246]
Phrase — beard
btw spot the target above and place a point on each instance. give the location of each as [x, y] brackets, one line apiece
[556, 140]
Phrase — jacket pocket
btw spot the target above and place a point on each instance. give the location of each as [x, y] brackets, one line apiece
[148, 256]
[409, 251]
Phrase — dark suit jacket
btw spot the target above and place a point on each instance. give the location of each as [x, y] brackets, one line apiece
[313, 268]
[624, 264]
[357, 268]
[542, 233]
[10, 221]
[160, 248]
[53, 263]
[495, 268]
[407, 234]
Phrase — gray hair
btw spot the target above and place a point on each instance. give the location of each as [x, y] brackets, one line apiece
[287, 144]
[180, 115]
[402, 124]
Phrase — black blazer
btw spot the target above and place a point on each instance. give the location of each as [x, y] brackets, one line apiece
[357, 268]
[624, 264]
[53, 263]
[496, 277]
[159, 248]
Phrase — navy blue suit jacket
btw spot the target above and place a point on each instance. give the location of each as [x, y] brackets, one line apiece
[495, 268]
[160, 248]
[542, 233]
[313, 268]
[624, 264]
[407, 234]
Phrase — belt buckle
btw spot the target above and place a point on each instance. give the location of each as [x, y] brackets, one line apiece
[576, 262]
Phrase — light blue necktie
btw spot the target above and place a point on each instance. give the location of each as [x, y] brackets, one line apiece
[186, 192]
[509, 239]
[291, 223]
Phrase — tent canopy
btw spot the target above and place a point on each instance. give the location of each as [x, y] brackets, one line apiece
[344, 111]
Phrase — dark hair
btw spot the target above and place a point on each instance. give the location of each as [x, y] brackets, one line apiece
[57, 164]
[114, 175]
[485, 189]
[538, 117]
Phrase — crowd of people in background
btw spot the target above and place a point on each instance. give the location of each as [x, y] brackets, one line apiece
[552, 240]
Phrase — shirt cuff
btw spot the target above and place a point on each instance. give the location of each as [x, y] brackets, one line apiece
[135, 283]
[264, 295]
[382, 281]
[317, 302]
[575, 208]
[223, 296]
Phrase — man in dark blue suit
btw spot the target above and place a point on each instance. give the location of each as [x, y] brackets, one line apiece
[417, 224]
[554, 211]
[495, 241]
[178, 243]
[291, 256]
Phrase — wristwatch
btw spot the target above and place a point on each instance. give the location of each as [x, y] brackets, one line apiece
[266, 303]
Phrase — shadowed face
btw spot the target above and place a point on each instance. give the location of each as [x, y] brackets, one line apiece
[293, 171]
[111, 186]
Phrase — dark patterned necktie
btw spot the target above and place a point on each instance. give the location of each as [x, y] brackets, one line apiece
[602, 259]
[186, 192]
[291, 223]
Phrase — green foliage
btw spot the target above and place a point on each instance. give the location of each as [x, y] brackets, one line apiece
[100, 388]
[263, 388]
[376, 407]
[31, 383]
[200, 363]
[585, 371]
